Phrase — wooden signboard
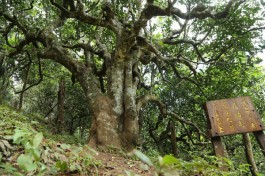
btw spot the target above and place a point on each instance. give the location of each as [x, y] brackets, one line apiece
[233, 116]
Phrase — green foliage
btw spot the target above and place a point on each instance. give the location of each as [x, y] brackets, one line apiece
[169, 166]
[223, 79]
[26, 163]
[221, 64]
[42, 100]
[30, 160]
[34, 154]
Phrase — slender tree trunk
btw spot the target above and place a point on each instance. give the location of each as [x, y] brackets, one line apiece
[249, 154]
[61, 99]
[3, 88]
[173, 139]
[25, 81]
[71, 126]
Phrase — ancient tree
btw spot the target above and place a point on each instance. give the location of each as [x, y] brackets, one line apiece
[107, 46]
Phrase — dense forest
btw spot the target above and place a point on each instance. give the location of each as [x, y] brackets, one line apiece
[86, 81]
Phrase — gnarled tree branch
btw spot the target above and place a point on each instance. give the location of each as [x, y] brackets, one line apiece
[38, 82]
[143, 101]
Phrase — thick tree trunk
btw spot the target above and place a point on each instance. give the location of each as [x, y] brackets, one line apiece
[104, 130]
[131, 121]
[115, 117]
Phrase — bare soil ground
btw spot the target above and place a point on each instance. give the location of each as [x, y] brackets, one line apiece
[117, 165]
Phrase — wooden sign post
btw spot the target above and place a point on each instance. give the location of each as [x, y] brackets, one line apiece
[233, 116]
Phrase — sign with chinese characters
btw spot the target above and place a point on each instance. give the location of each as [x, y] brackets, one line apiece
[233, 116]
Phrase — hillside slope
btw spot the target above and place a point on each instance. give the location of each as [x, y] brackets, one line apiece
[27, 147]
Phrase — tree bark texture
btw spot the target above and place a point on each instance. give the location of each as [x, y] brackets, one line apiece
[61, 99]
[173, 139]
[249, 154]
[115, 117]
[25, 81]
